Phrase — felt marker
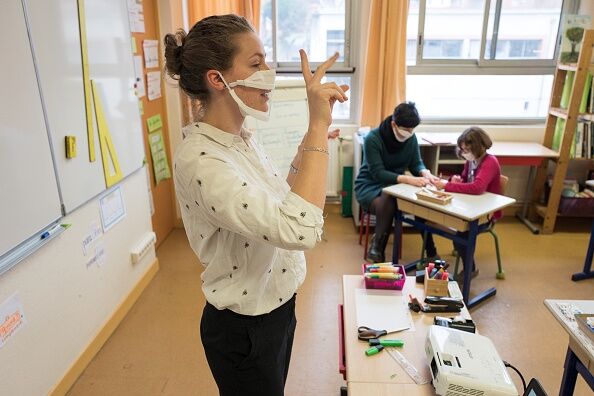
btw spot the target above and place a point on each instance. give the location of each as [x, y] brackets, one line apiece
[374, 350]
[383, 275]
[386, 343]
[384, 269]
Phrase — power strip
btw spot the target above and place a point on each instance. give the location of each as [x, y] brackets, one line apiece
[143, 247]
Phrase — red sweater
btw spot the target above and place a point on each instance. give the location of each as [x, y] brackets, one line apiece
[486, 178]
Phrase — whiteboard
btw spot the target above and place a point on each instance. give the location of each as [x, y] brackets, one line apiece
[56, 42]
[289, 119]
[29, 196]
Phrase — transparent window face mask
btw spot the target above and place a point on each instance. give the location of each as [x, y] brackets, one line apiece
[261, 79]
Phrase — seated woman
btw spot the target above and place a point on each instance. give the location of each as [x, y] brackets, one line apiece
[481, 173]
[388, 152]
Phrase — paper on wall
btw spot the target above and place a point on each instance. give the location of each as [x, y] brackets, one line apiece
[151, 53]
[94, 234]
[12, 318]
[153, 82]
[136, 16]
[98, 256]
[112, 208]
[139, 76]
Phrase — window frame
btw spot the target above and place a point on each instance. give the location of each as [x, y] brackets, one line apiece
[295, 67]
[483, 66]
[344, 68]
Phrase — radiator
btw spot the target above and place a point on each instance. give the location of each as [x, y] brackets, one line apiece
[333, 180]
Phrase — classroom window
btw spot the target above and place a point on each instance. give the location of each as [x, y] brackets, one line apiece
[317, 26]
[320, 27]
[334, 42]
[341, 111]
[508, 47]
[480, 97]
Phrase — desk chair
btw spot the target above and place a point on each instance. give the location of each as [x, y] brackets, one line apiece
[364, 223]
[364, 220]
[503, 180]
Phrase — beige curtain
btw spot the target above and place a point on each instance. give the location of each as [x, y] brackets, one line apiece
[199, 9]
[385, 69]
[250, 9]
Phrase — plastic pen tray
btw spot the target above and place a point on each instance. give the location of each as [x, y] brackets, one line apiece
[394, 284]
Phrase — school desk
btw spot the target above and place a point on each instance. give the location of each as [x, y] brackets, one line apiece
[580, 353]
[529, 154]
[587, 271]
[464, 213]
[365, 374]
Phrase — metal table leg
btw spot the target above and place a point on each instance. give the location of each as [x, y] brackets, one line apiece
[587, 272]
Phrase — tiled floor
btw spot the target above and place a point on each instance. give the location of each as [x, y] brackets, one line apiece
[157, 351]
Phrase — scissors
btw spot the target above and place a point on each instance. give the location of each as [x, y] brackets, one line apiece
[366, 333]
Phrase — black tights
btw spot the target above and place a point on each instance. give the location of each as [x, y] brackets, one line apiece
[384, 209]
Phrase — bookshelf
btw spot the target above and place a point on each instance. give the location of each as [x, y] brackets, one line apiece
[550, 210]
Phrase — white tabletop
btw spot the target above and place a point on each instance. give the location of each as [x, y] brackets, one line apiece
[463, 206]
[521, 149]
[382, 368]
[563, 312]
[499, 148]
[437, 138]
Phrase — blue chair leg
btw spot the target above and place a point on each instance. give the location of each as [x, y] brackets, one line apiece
[500, 272]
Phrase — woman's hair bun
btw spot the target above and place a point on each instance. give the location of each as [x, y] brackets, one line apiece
[174, 44]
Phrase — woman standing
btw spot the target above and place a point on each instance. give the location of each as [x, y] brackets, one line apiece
[247, 224]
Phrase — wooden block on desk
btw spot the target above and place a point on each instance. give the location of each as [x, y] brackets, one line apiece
[438, 197]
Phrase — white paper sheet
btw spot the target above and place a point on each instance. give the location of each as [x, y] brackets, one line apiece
[153, 82]
[12, 318]
[136, 16]
[112, 208]
[382, 310]
[151, 53]
[139, 74]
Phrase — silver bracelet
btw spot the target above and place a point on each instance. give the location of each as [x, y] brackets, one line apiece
[318, 149]
[293, 169]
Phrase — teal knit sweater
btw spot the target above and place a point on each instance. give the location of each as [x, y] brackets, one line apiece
[384, 159]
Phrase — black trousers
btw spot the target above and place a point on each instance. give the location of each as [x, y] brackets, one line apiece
[384, 208]
[249, 355]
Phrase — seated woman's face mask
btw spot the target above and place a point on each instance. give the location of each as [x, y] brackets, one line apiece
[262, 79]
[400, 134]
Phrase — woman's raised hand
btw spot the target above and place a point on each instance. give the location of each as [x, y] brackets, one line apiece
[321, 97]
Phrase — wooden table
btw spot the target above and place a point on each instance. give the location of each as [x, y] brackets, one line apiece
[464, 213]
[529, 154]
[380, 374]
[523, 154]
[580, 352]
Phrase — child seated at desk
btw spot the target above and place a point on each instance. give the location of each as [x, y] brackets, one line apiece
[481, 173]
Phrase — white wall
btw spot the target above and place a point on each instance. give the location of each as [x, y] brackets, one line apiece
[65, 303]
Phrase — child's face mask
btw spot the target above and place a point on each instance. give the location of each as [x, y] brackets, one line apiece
[468, 156]
[262, 79]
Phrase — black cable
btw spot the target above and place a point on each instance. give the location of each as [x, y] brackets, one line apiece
[517, 371]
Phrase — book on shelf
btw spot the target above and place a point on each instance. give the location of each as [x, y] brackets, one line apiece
[573, 27]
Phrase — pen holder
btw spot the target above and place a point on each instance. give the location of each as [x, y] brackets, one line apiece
[393, 284]
[435, 287]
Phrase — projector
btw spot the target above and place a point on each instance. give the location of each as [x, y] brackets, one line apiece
[464, 364]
